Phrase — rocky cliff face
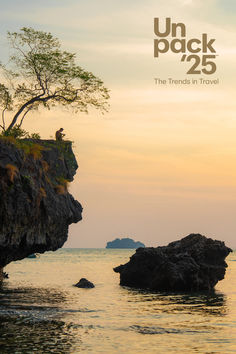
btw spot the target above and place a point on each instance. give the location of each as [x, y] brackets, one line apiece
[35, 206]
[190, 264]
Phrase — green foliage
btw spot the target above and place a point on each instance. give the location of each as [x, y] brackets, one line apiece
[35, 136]
[40, 74]
[5, 97]
[18, 133]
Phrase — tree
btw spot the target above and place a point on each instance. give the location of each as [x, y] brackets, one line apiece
[39, 74]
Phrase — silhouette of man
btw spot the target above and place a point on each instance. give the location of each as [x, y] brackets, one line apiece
[59, 135]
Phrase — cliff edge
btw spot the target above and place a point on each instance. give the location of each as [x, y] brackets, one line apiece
[36, 208]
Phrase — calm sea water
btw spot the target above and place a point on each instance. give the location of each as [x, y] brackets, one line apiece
[42, 312]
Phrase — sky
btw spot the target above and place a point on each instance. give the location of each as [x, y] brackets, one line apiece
[161, 163]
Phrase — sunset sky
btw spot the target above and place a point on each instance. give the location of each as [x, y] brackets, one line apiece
[162, 162]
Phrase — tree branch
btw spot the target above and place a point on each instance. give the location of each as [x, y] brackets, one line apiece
[30, 102]
[3, 120]
[29, 109]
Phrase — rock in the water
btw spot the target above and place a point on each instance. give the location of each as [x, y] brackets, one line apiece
[124, 243]
[191, 264]
[84, 283]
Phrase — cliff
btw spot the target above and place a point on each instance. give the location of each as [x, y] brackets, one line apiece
[124, 243]
[35, 205]
[191, 264]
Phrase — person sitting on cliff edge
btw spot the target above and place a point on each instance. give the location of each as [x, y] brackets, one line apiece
[59, 135]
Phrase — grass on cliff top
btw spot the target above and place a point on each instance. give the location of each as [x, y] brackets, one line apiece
[35, 147]
[32, 144]
[30, 147]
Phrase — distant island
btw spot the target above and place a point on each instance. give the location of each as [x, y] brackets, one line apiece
[124, 243]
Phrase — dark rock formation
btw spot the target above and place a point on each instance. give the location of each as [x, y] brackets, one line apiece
[190, 264]
[33, 256]
[84, 283]
[1, 274]
[35, 206]
[124, 243]
[5, 275]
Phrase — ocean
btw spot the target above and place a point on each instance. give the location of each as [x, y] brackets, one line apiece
[42, 312]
